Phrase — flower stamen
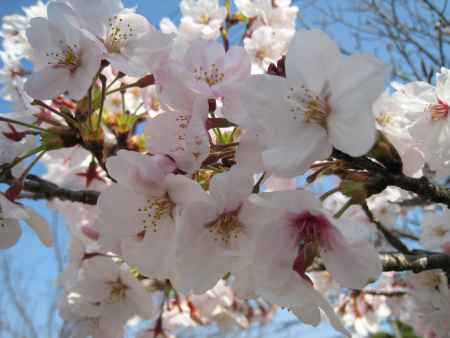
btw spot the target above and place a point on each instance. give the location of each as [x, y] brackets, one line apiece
[439, 110]
[227, 227]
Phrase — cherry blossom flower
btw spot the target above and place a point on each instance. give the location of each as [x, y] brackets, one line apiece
[206, 70]
[431, 303]
[202, 18]
[304, 230]
[436, 231]
[318, 106]
[213, 233]
[277, 13]
[267, 45]
[10, 231]
[108, 290]
[383, 206]
[430, 126]
[182, 135]
[143, 229]
[66, 58]
[132, 44]
[144, 222]
[391, 118]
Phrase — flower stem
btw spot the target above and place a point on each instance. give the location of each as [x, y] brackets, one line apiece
[344, 208]
[23, 124]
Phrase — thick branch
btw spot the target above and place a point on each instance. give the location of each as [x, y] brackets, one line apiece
[42, 189]
[421, 186]
[401, 262]
[415, 263]
[383, 178]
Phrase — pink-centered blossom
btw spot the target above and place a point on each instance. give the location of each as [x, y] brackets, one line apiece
[303, 231]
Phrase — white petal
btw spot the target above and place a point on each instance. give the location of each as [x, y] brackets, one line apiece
[144, 305]
[47, 83]
[237, 65]
[10, 233]
[354, 136]
[141, 172]
[40, 227]
[65, 19]
[38, 35]
[204, 53]
[81, 79]
[95, 14]
[355, 86]
[294, 157]
[229, 189]
[308, 314]
[265, 101]
[11, 210]
[199, 261]
[101, 268]
[159, 133]
[353, 265]
[292, 200]
[312, 56]
[155, 254]
[249, 154]
[183, 190]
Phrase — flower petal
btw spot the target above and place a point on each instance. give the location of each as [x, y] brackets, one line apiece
[229, 189]
[312, 56]
[356, 84]
[39, 226]
[294, 158]
[10, 233]
[47, 83]
[353, 265]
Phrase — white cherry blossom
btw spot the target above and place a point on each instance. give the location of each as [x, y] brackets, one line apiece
[319, 105]
[391, 118]
[205, 70]
[109, 291]
[66, 58]
[132, 44]
[182, 135]
[136, 214]
[277, 13]
[267, 45]
[430, 125]
[213, 233]
[436, 231]
[202, 18]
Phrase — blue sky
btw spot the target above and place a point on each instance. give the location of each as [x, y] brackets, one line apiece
[34, 263]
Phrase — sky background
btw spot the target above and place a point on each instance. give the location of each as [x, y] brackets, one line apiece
[35, 267]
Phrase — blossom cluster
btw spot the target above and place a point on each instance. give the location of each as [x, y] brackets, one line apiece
[193, 148]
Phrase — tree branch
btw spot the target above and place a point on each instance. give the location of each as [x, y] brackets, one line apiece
[393, 261]
[43, 189]
[382, 178]
[421, 186]
[394, 241]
